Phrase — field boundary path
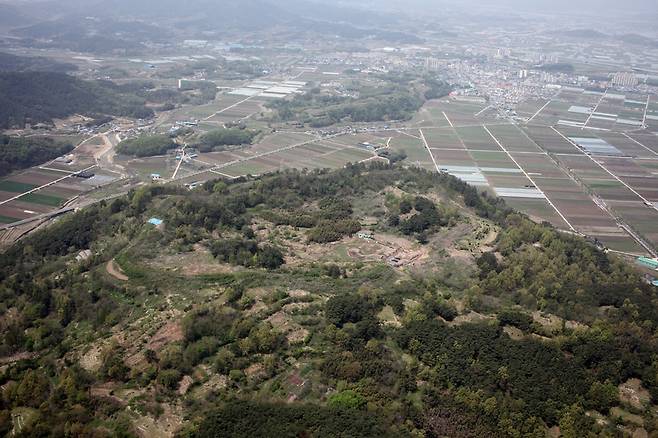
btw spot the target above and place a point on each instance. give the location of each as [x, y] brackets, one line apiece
[36, 189]
[557, 210]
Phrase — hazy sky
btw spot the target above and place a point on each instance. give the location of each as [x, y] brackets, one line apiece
[581, 6]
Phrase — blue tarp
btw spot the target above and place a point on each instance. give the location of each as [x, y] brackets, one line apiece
[155, 221]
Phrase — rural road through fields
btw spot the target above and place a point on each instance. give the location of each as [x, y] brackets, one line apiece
[60, 211]
[539, 111]
[529, 178]
[644, 200]
[36, 189]
[105, 157]
[595, 109]
[230, 107]
[429, 151]
[605, 207]
[253, 157]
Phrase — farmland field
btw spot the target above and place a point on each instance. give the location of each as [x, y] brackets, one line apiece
[542, 165]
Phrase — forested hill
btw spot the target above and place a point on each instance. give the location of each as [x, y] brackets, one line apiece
[18, 153]
[12, 63]
[35, 97]
[369, 301]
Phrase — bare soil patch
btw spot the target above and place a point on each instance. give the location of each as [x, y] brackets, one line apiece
[169, 333]
[91, 360]
[634, 394]
[115, 271]
[165, 426]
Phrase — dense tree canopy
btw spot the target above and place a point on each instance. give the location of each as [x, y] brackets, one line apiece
[35, 97]
[21, 152]
[146, 145]
[218, 139]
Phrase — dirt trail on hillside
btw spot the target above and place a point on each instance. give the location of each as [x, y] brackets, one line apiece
[115, 271]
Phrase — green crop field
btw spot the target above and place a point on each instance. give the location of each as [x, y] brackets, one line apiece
[7, 219]
[43, 199]
[15, 187]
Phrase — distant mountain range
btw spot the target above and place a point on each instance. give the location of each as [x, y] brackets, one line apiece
[103, 26]
[11, 16]
[592, 34]
[589, 7]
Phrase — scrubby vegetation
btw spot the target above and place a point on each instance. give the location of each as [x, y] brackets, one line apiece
[238, 320]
